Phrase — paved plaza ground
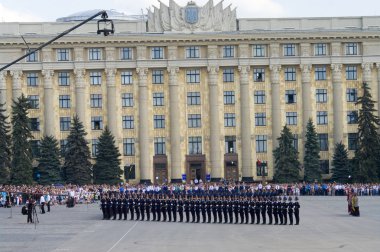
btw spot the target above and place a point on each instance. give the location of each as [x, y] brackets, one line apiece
[324, 226]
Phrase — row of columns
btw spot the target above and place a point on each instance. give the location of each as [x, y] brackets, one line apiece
[174, 110]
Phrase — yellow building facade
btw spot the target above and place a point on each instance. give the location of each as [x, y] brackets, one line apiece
[192, 92]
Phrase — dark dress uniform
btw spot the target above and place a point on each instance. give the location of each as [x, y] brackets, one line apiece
[30, 210]
[103, 204]
[125, 208]
[169, 205]
[252, 210]
[192, 210]
[290, 212]
[158, 208]
[263, 211]
[246, 210]
[219, 209]
[236, 206]
[163, 209]
[230, 204]
[114, 208]
[187, 209]
[131, 204]
[208, 210]
[174, 209]
[180, 210]
[285, 212]
[225, 210]
[119, 207]
[214, 210]
[257, 211]
[137, 208]
[148, 205]
[297, 212]
[279, 211]
[154, 208]
[203, 210]
[142, 208]
[242, 209]
[197, 210]
[275, 212]
[108, 207]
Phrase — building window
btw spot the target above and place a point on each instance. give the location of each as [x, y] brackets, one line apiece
[192, 52]
[129, 146]
[64, 123]
[63, 55]
[158, 99]
[289, 50]
[128, 122]
[159, 146]
[126, 78]
[323, 140]
[94, 54]
[322, 117]
[157, 52]
[351, 73]
[63, 78]
[32, 57]
[195, 145]
[34, 101]
[193, 98]
[229, 97]
[259, 50]
[353, 141]
[260, 119]
[290, 74]
[320, 49]
[34, 124]
[62, 145]
[94, 147]
[194, 121]
[230, 144]
[320, 73]
[259, 97]
[32, 79]
[295, 141]
[352, 94]
[228, 51]
[97, 123]
[193, 76]
[291, 118]
[261, 143]
[351, 49]
[352, 117]
[229, 120]
[290, 96]
[96, 100]
[159, 121]
[64, 101]
[321, 95]
[228, 75]
[35, 148]
[127, 100]
[259, 74]
[158, 76]
[324, 166]
[126, 53]
[95, 78]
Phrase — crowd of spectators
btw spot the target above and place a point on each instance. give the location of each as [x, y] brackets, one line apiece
[17, 195]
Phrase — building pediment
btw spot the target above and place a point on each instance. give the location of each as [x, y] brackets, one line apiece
[191, 18]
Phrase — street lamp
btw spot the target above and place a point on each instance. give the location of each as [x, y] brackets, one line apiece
[108, 28]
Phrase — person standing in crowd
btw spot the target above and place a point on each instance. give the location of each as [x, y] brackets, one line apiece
[355, 205]
[48, 201]
[42, 202]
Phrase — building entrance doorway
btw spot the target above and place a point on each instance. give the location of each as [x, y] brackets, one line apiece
[160, 174]
[195, 167]
[232, 171]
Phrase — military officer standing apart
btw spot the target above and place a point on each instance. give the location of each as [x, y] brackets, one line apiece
[297, 211]
[290, 211]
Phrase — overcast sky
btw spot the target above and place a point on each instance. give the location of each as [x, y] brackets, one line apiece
[50, 10]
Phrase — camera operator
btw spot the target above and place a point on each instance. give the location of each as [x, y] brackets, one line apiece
[30, 205]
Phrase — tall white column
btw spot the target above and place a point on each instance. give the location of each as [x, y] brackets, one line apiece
[245, 115]
[144, 143]
[80, 94]
[276, 105]
[49, 95]
[306, 95]
[337, 102]
[215, 150]
[112, 120]
[3, 87]
[175, 131]
[16, 84]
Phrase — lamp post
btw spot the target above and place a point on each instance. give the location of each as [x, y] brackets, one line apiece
[107, 29]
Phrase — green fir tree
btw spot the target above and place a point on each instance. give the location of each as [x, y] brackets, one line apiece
[367, 154]
[311, 158]
[107, 167]
[341, 164]
[21, 168]
[287, 165]
[77, 167]
[5, 143]
[49, 165]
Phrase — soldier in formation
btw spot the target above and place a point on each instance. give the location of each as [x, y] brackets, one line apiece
[244, 208]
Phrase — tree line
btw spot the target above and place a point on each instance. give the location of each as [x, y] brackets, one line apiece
[73, 165]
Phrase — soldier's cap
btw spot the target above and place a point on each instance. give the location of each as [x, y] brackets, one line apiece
[290, 199]
[296, 198]
[284, 199]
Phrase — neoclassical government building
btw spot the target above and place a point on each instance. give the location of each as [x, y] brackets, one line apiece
[192, 91]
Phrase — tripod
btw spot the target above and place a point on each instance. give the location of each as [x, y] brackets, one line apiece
[35, 216]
